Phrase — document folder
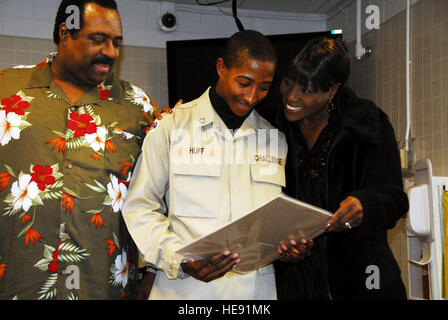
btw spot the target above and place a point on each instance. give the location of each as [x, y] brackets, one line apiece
[256, 235]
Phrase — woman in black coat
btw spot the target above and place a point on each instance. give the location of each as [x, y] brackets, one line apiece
[343, 157]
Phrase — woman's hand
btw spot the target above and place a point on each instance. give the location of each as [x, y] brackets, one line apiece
[211, 268]
[349, 215]
[157, 114]
[294, 248]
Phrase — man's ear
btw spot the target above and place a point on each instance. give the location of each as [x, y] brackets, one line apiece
[63, 32]
[220, 66]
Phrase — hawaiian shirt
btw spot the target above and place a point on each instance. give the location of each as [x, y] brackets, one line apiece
[64, 173]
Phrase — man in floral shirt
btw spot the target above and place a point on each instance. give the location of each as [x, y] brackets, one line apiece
[69, 135]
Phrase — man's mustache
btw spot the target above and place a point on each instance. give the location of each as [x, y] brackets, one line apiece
[103, 60]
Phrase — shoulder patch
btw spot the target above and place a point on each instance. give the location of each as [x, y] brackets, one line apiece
[154, 127]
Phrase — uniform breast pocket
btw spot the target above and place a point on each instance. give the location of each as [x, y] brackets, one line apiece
[267, 182]
[195, 190]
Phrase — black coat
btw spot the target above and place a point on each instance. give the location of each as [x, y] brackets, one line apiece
[364, 162]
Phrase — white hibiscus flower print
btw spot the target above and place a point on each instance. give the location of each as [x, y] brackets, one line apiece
[117, 192]
[24, 192]
[138, 96]
[97, 140]
[9, 127]
[120, 270]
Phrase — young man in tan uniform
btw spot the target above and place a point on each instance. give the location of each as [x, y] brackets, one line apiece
[205, 165]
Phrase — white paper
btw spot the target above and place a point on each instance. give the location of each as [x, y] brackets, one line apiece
[256, 235]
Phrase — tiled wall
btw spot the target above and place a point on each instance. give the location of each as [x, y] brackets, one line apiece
[145, 67]
[430, 82]
[382, 78]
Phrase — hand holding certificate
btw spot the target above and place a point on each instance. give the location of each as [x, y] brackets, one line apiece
[256, 235]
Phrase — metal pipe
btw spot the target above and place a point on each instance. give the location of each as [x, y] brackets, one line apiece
[408, 80]
[359, 49]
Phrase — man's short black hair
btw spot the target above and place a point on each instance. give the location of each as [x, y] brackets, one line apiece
[62, 16]
[248, 44]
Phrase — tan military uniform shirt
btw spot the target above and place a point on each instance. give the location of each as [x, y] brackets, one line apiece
[208, 177]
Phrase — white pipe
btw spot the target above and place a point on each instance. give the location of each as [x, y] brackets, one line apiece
[408, 80]
[359, 49]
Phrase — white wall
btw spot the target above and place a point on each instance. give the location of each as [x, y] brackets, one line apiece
[35, 18]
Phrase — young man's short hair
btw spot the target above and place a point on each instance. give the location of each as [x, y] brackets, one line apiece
[248, 44]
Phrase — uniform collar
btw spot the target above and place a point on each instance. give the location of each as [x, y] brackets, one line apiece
[206, 115]
[42, 77]
[222, 108]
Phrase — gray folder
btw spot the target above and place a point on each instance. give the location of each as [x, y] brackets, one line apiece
[257, 235]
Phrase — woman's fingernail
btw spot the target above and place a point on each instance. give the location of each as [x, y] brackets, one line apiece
[293, 242]
[226, 253]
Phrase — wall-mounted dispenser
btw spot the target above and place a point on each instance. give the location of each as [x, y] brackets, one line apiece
[424, 228]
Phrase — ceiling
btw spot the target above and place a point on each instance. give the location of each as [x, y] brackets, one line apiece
[299, 6]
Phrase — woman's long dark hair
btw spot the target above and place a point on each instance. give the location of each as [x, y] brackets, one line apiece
[323, 62]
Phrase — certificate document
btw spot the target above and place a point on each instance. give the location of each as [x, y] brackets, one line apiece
[256, 235]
